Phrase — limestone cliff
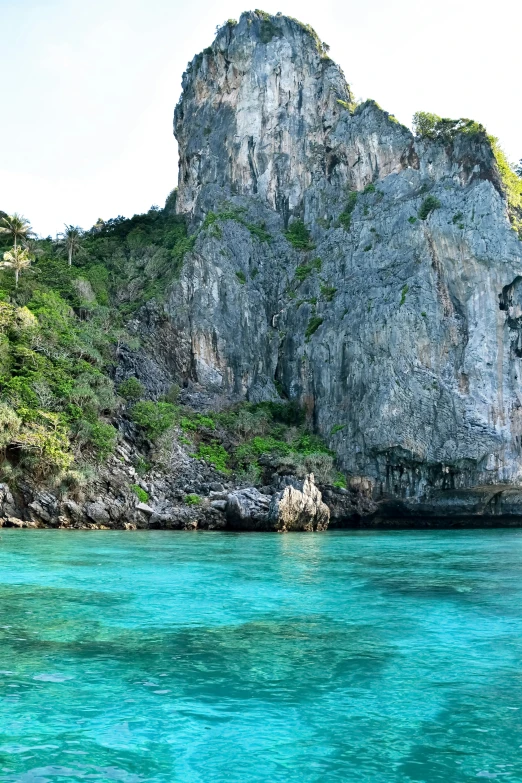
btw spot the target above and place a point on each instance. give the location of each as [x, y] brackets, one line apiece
[394, 314]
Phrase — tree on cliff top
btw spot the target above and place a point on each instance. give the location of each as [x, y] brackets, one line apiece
[70, 241]
[16, 226]
[432, 126]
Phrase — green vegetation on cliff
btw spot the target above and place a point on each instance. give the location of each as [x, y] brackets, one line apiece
[431, 126]
[62, 310]
[62, 325]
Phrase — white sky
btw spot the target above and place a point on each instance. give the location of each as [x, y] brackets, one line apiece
[89, 86]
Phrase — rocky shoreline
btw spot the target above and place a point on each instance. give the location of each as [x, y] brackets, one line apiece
[288, 504]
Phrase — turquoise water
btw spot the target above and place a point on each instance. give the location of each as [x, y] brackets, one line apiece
[222, 658]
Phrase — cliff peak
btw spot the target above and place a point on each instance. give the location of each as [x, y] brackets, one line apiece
[257, 109]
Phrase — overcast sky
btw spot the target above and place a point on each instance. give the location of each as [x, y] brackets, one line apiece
[89, 86]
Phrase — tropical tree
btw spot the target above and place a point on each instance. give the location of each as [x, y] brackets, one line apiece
[17, 226]
[17, 259]
[33, 247]
[71, 241]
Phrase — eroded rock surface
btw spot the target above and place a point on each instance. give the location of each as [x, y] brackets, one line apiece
[299, 506]
[247, 509]
[399, 335]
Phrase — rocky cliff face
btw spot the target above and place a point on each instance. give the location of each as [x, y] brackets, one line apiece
[399, 328]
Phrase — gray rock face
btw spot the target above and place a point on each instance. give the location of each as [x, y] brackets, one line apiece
[247, 509]
[97, 512]
[401, 336]
[7, 504]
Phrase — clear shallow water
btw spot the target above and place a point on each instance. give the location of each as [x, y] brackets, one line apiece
[215, 658]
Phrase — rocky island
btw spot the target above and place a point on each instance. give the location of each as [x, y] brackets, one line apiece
[323, 325]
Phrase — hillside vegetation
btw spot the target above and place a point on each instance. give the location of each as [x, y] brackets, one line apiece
[61, 327]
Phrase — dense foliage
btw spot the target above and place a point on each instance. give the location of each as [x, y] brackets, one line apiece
[432, 126]
[254, 439]
[61, 325]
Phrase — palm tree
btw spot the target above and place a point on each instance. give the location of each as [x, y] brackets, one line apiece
[16, 225]
[17, 259]
[33, 247]
[71, 241]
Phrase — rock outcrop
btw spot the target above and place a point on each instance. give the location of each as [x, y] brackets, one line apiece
[395, 324]
[247, 509]
[298, 506]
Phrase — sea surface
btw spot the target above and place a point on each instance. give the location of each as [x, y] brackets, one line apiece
[224, 658]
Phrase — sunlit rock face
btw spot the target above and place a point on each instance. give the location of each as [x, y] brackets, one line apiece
[256, 113]
[401, 336]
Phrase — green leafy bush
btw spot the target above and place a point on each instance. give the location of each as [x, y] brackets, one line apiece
[345, 218]
[187, 424]
[429, 204]
[98, 276]
[53, 379]
[241, 277]
[101, 437]
[433, 127]
[205, 421]
[131, 389]
[192, 499]
[512, 184]
[272, 433]
[10, 425]
[305, 270]
[154, 418]
[258, 231]
[236, 213]
[215, 454]
[195, 422]
[328, 292]
[140, 493]
[307, 444]
[313, 325]
[43, 436]
[259, 445]
[299, 236]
